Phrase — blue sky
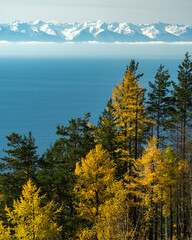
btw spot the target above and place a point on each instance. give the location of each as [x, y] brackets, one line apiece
[135, 11]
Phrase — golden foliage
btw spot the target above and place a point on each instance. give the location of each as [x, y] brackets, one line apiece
[128, 105]
[29, 218]
[5, 233]
[113, 221]
[95, 173]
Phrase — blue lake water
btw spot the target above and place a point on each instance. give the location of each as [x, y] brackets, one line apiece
[37, 94]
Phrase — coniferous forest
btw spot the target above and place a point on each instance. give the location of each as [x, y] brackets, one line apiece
[127, 178]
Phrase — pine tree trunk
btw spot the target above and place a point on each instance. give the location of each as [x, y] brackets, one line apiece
[151, 231]
[156, 220]
[184, 135]
[136, 119]
[190, 207]
[161, 231]
[178, 235]
[185, 222]
[166, 236]
[151, 223]
[181, 141]
[158, 119]
[166, 230]
[177, 140]
[171, 215]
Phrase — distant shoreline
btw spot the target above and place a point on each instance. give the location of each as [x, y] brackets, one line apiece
[98, 42]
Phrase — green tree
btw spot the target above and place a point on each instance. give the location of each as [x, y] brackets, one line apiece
[159, 104]
[183, 99]
[19, 164]
[106, 134]
[57, 176]
[106, 130]
[182, 127]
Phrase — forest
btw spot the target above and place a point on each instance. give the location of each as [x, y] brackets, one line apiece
[127, 178]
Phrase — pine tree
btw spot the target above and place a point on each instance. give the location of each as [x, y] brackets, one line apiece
[57, 176]
[105, 130]
[29, 219]
[159, 104]
[106, 134]
[77, 139]
[19, 164]
[183, 99]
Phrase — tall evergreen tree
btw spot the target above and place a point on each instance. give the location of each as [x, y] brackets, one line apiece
[159, 104]
[159, 109]
[105, 130]
[106, 134]
[57, 176]
[18, 165]
[183, 99]
[182, 128]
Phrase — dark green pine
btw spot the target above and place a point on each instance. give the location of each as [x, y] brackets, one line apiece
[18, 165]
[56, 175]
[183, 123]
[159, 104]
[183, 102]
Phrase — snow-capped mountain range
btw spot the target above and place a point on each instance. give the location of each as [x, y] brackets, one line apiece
[93, 31]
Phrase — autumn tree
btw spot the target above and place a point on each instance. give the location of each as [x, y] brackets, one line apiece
[130, 119]
[151, 158]
[5, 232]
[166, 189]
[31, 220]
[95, 173]
[114, 220]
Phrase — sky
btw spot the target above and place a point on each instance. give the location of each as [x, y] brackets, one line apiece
[134, 11]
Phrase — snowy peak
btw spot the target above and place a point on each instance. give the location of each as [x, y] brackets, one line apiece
[93, 31]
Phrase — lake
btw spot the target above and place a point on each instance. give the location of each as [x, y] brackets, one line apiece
[39, 93]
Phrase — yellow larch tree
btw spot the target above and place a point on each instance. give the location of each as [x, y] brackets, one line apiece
[114, 221]
[147, 180]
[29, 219]
[95, 173]
[130, 119]
[5, 232]
[173, 192]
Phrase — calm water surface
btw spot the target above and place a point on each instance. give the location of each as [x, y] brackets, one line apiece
[38, 94]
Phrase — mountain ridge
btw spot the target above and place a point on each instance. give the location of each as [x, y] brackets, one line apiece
[99, 31]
